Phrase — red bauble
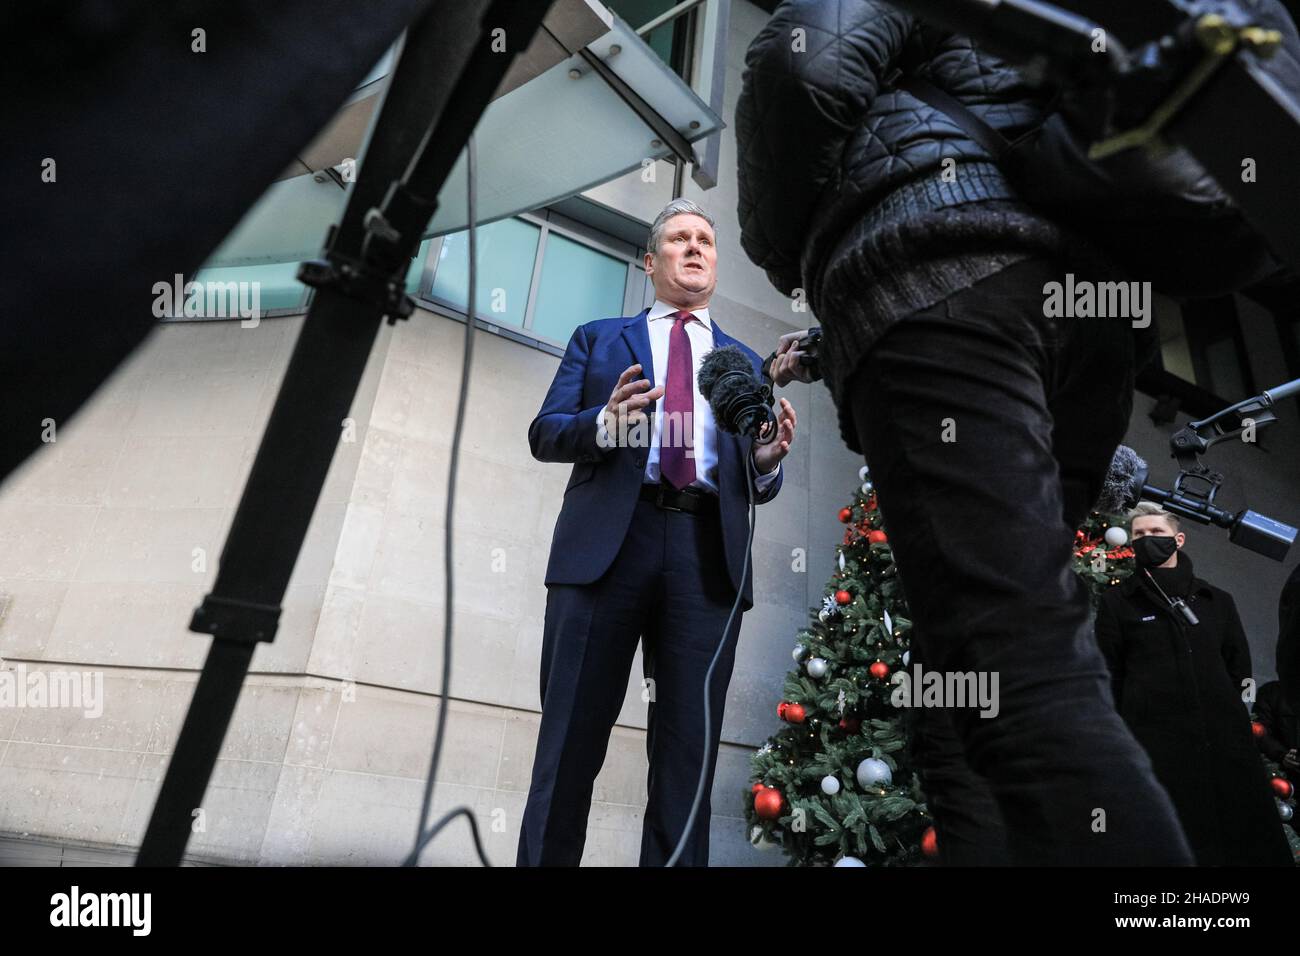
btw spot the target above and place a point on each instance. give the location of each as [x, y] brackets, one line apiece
[843, 597]
[850, 725]
[758, 785]
[930, 843]
[767, 803]
[846, 515]
[1282, 787]
[1257, 728]
[793, 713]
[877, 537]
[871, 503]
[879, 670]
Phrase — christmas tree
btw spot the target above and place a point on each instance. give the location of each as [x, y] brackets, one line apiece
[835, 785]
[1283, 792]
[1102, 555]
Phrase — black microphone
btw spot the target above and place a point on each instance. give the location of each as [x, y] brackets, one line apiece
[1123, 483]
[741, 404]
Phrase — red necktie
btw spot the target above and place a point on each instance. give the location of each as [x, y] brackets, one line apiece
[679, 407]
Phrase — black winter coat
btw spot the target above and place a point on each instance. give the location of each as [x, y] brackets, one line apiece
[822, 136]
[822, 133]
[843, 199]
[1179, 689]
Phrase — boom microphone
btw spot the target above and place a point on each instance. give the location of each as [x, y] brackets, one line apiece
[741, 404]
[1192, 497]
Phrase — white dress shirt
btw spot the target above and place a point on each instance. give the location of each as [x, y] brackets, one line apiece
[704, 445]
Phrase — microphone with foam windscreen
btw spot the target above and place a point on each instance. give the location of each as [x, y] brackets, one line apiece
[741, 404]
[1123, 483]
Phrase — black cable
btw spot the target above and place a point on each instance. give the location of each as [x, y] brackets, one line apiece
[750, 474]
[422, 837]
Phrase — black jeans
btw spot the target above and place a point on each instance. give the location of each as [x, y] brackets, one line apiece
[988, 428]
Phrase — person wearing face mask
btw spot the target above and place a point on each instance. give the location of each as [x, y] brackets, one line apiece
[1180, 665]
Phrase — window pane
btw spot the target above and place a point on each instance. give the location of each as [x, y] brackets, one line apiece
[417, 268]
[507, 250]
[271, 286]
[578, 284]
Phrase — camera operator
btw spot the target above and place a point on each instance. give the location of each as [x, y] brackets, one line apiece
[1179, 663]
[977, 413]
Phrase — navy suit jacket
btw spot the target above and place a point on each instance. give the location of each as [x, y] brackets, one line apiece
[606, 482]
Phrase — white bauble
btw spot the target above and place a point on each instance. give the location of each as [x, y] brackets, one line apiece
[1285, 810]
[760, 841]
[849, 861]
[823, 615]
[798, 652]
[830, 785]
[817, 667]
[889, 624]
[907, 658]
[1116, 537]
[841, 560]
[866, 487]
[874, 772]
[863, 472]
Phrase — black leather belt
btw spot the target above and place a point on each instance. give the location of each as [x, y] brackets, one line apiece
[689, 499]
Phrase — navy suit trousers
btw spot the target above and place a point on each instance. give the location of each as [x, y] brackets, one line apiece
[668, 588]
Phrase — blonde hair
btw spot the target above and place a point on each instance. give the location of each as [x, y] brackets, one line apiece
[1149, 509]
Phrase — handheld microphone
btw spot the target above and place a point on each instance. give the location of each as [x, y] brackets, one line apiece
[741, 404]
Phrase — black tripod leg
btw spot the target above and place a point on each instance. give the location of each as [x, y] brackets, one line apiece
[204, 729]
[265, 539]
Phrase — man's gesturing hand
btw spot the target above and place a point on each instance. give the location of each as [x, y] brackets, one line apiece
[625, 408]
[767, 457]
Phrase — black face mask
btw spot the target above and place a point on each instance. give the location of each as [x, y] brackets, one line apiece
[1154, 550]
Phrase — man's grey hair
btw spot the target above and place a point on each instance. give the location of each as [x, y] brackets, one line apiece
[1149, 509]
[677, 207]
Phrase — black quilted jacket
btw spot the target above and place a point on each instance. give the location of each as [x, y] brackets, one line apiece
[842, 185]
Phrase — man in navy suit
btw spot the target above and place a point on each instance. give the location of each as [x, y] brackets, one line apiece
[649, 547]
